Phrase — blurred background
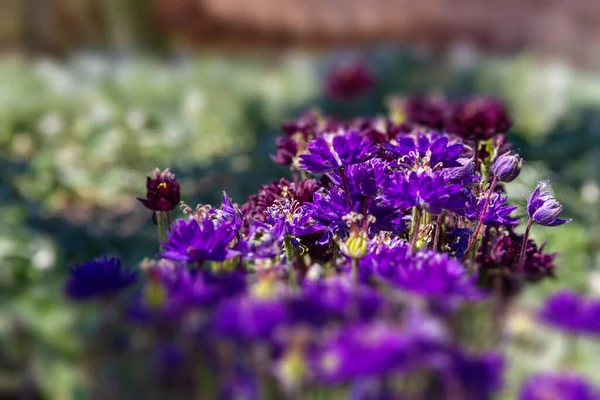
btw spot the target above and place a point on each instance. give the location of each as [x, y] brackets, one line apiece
[94, 94]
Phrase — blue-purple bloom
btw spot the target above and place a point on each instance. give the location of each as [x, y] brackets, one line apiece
[362, 351]
[425, 151]
[476, 376]
[196, 241]
[98, 278]
[553, 385]
[430, 274]
[572, 313]
[333, 151]
[543, 209]
[497, 213]
[428, 192]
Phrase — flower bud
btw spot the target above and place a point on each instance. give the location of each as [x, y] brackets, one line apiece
[356, 245]
[507, 167]
[544, 209]
[162, 191]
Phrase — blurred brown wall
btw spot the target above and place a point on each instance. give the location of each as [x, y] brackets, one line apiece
[569, 28]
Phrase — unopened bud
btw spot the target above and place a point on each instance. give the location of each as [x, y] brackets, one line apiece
[507, 167]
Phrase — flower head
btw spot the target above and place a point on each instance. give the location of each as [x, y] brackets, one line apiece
[162, 191]
[431, 275]
[497, 213]
[430, 112]
[507, 167]
[425, 152]
[479, 119]
[98, 278]
[563, 386]
[332, 151]
[426, 191]
[572, 312]
[543, 208]
[192, 241]
[346, 82]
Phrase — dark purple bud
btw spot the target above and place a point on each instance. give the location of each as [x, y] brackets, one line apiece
[479, 119]
[507, 167]
[543, 208]
[162, 191]
[347, 82]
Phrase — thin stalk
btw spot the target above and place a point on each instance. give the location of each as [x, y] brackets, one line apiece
[289, 252]
[476, 155]
[346, 191]
[161, 229]
[168, 220]
[498, 306]
[415, 233]
[524, 246]
[336, 250]
[436, 236]
[355, 270]
[481, 217]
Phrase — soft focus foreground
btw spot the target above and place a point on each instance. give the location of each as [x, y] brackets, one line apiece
[389, 263]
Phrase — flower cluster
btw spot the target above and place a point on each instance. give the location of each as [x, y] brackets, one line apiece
[352, 279]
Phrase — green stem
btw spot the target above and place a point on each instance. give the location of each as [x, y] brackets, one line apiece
[481, 217]
[436, 237]
[524, 247]
[289, 252]
[161, 229]
[415, 232]
[168, 220]
[355, 270]
[345, 184]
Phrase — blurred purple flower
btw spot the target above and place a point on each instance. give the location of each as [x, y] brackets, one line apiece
[348, 81]
[196, 241]
[479, 119]
[98, 278]
[563, 386]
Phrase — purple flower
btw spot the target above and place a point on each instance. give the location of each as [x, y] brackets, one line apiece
[457, 241]
[431, 275]
[98, 278]
[507, 167]
[298, 220]
[498, 213]
[422, 190]
[229, 213]
[430, 112]
[334, 151]
[479, 119]
[476, 376]
[571, 312]
[361, 351]
[169, 293]
[463, 175]
[162, 191]
[257, 204]
[263, 240]
[348, 81]
[247, 318]
[287, 148]
[563, 386]
[196, 241]
[543, 208]
[363, 179]
[425, 152]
